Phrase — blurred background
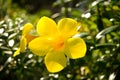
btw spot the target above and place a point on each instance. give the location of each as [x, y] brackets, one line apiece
[100, 28]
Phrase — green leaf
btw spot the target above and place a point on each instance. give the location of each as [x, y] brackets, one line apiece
[106, 31]
[82, 34]
[105, 45]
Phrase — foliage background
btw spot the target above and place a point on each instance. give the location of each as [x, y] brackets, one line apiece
[100, 28]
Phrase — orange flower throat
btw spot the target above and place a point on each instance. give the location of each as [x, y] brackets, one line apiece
[58, 43]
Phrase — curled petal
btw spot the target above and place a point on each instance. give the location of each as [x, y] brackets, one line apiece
[17, 52]
[76, 48]
[67, 27]
[55, 61]
[30, 37]
[39, 46]
[27, 28]
[23, 44]
[46, 27]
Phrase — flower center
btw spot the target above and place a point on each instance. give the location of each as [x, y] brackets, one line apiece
[58, 43]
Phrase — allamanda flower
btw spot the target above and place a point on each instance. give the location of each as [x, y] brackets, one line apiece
[26, 38]
[56, 42]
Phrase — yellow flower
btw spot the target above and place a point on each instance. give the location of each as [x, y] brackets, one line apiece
[26, 38]
[56, 42]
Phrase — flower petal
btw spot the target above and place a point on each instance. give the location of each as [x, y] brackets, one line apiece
[67, 27]
[27, 28]
[76, 48]
[46, 27]
[17, 52]
[23, 44]
[39, 46]
[27, 32]
[55, 61]
[30, 37]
